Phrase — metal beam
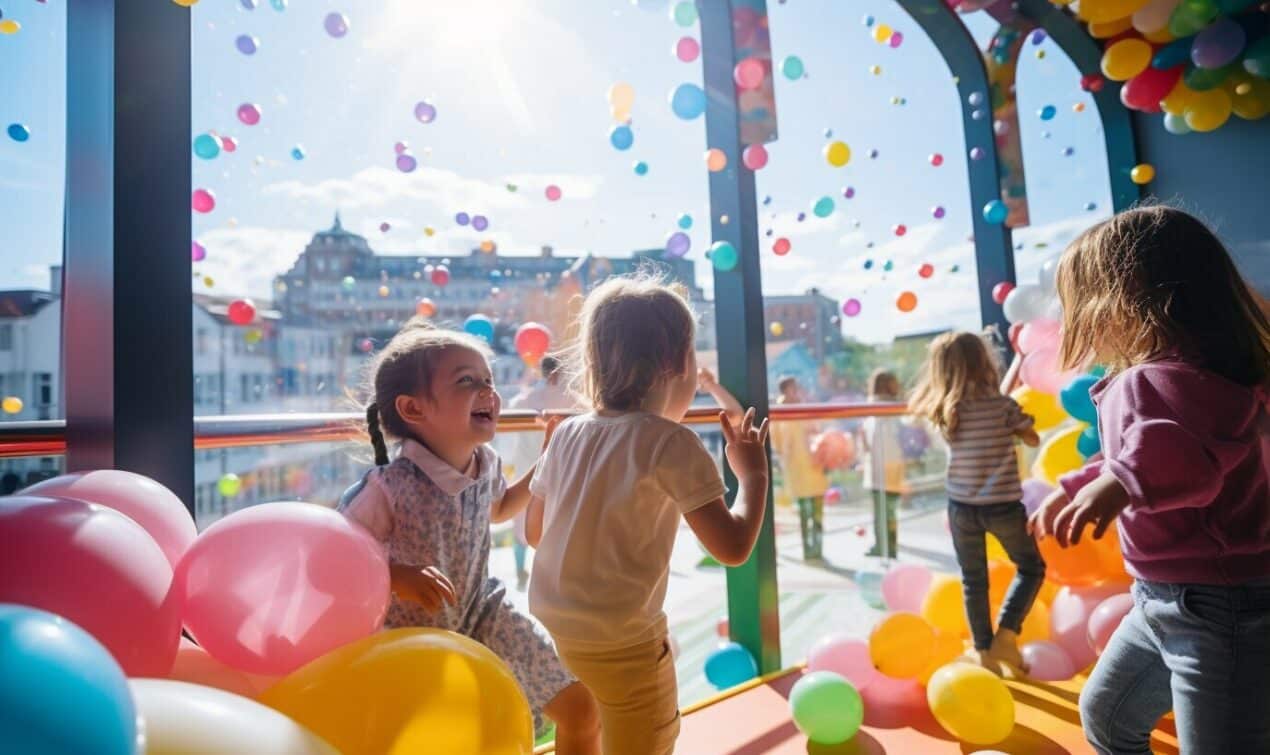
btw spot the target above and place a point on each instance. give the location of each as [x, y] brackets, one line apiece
[994, 251]
[1117, 122]
[753, 602]
[126, 308]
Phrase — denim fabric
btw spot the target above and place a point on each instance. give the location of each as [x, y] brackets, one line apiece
[970, 524]
[1202, 651]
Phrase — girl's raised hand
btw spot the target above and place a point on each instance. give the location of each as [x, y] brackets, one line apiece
[1098, 503]
[745, 452]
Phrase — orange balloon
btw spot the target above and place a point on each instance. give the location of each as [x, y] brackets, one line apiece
[907, 302]
[426, 308]
[1074, 566]
[1000, 574]
[716, 160]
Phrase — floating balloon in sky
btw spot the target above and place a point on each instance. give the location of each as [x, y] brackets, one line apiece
[976, 153]
[425, 112]
[823, 207]
[278, 5]
[480, 222]
[9, 26]
[754, 156]
[716, 159]
[687, 49]
[995, 212]
[749, 73]
[203, 201]
[462, 218]
[685, 221]
[228, 143]
[906, 302]
[723, 256]
[792, 67]
[440, 276]
[197, 252]
[684, 13]
[781, 246]
[926, 270]
[688, 101]
[837, 154]
[553, 193]
[621, 137]
[851, 307]
[297, 152]
[406, 162]
[241, 311]
[1048, 112]
[938, 212]
[936, 159]
[247, 44]
[249, 113]
[206, 146]
[336, 24]
[900, 229]
[678, 244]
[896, 39]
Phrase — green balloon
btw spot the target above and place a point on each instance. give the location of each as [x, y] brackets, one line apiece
[724, 256]
[229, 485]
[1257, 58]
[826, 707]
[1191, 17]
[1203, 79]
[684, 14]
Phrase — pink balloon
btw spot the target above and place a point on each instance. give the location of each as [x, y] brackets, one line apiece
[1040, 370]
[269, 588]
[1047, 662]
[1038, 334]
[98, 569]
[1069, 619]
[749, 73]
[203, 201]
[846, 656]
[904, 587]
[146, 502]
[894, 703]
[1106, 618]
[687, 49]
[754, 156]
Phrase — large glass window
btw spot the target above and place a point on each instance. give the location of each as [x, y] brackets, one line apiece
[32, 179]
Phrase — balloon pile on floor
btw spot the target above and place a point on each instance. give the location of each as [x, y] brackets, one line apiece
[1196, 61]
[284, 601]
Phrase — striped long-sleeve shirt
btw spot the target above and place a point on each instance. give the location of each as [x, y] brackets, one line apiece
[982, 466]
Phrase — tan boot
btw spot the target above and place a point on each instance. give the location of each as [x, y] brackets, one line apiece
[1005, 648]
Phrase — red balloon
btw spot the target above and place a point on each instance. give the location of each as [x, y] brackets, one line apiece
[440, 275]
[781, 246]
[532, 341]
[1001, 290]
[1091, 82]
[241, 311]
[926, 270]
[1144, 91]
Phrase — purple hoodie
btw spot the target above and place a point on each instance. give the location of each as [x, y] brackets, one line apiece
[1192, 449]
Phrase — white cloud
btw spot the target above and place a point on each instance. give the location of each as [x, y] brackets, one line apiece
[242, 261]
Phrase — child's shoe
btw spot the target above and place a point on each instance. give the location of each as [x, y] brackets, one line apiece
[1005, 648]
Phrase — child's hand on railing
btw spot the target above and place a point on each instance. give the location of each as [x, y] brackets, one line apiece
[745, 446]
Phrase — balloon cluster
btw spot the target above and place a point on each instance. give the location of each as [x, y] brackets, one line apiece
[281, 657]
[1196, 61]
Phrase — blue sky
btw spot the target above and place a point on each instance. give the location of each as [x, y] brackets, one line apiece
[520, 87]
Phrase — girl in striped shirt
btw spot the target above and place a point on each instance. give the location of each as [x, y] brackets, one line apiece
[958, 393]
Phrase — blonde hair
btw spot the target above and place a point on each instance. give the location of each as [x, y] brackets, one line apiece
[884, 384]
[404, 367]
[958, 367]
[635, 332]
[1153, 281]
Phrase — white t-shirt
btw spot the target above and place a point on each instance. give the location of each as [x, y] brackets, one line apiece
[614, 489]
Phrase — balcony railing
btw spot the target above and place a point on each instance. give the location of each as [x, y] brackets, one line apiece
[48, 438]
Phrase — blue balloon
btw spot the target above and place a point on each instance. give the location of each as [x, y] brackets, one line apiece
[18, 132]
[1077, 401]
[641, 168]
[297, 152]
[480, 326]
[688, 101]
[61, 692]
[206, 146]
[793, 68]
[724, 256]
[823, 207]
[1175, 53]
[621, 137]
[685, 221]
[729, 665]
[1048, 112]
[1088, 443]
[995, 212]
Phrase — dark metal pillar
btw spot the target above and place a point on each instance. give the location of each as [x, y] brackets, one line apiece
[126, 308]
[753, 605]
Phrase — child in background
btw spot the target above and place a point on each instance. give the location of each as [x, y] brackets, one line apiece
[608, 497]
[959, 394]
[432, 504]
[883, 465]
[1153, 295]
[804, 478]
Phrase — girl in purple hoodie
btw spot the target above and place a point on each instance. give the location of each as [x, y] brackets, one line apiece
[1153, 295]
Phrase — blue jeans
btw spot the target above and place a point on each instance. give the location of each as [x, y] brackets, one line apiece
[970, 524]
[1202, 651]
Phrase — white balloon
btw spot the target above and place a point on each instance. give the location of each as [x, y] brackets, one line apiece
[1025, 303]
[1154, 16]
[1048, 274]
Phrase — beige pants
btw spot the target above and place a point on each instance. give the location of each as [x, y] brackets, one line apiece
[637, 694]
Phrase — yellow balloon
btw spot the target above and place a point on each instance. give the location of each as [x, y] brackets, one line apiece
[1110, 28]
[996, 551]
[944, 607]
[405, 691]
[1159, 36]
[776, 328]
[1044, 408]
[1178, 99]
[1102, 11]
[622, 96]
[180, 718]
[882, 32]
[971, 703]
[186, 3]
[1058, 456]
[1249, 96]
[1126, 59]
[837, 154]
[11, 405]
[1143, 173]
[9, 26]
[1209, 110]
[901, 645]
[948, 646]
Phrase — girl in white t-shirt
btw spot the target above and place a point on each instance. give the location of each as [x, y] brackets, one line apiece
[606, 502]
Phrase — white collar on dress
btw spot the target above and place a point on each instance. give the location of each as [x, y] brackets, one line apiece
[446, 477]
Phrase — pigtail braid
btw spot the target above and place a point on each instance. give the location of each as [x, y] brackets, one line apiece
[376, 435]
